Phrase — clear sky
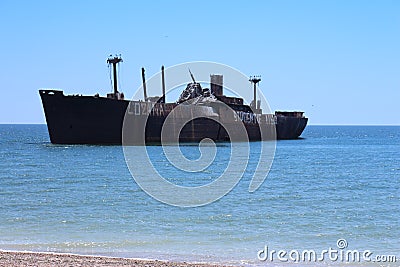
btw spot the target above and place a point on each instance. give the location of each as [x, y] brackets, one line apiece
[339, 61]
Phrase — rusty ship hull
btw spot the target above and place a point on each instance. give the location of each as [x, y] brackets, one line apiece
[75, 119]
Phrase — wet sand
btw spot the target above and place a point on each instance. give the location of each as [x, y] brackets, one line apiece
[44, 259]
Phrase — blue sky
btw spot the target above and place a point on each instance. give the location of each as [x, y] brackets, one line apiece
[339, 61]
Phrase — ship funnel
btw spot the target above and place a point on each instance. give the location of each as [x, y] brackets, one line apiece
[217, 84]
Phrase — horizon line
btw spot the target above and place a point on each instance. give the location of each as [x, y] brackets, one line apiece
[37, 123]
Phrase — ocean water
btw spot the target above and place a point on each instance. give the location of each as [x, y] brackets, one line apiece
[338, 182]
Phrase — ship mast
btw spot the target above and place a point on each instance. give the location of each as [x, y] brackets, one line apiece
[113, 61]
[144, 85]
[255, 80]
[191, 75]
[163, 84]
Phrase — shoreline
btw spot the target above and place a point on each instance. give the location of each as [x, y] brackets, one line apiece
[47, 259]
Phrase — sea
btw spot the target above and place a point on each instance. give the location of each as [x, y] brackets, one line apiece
[335, 189]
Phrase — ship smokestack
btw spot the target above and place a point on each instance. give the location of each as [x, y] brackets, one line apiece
[144, 85]
[163, 84]
[217, 84]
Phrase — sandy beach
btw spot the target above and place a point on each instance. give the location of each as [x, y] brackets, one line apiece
[45, 259]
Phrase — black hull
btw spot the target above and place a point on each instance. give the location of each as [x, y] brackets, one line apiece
[99, 120]
[290, 127]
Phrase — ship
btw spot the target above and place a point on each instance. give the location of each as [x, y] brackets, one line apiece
[104, 120]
